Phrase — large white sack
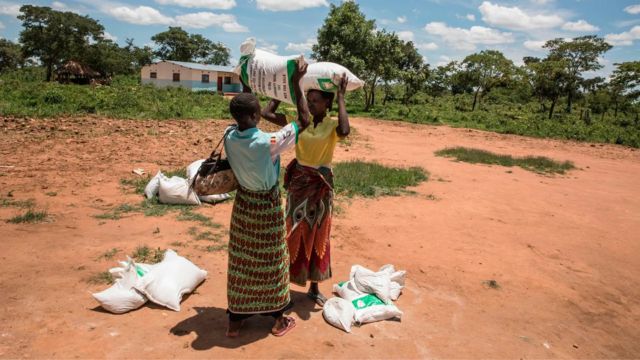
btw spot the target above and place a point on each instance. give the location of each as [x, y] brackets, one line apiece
[193, 168]
[266, 73]
[397, 280]
[121, 296]
[368, 307]
[175, 190]
[153, 185]
[326, 76]
[378, 283]
[347, 290]
[339, 313]
[168, 280]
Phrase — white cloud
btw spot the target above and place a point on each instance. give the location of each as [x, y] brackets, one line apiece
[289, 5]
[514, 18]
[57, 5]
[402, 19]
[427, 46]
[301, 47]
[471, 17]
[10, 9]
[108, 36]
[467, 39]
[208, 4]
[624, 39]
[142, 15]
[405, 35]
[444, 60]
[203, 20]
[534, 45]
[541, 2]
[633, 9]
[267, 46]
[579, 26]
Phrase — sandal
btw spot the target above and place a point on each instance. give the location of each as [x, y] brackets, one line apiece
[318, 298]
[290, 323]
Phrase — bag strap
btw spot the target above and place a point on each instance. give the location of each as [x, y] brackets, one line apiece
[229, 129]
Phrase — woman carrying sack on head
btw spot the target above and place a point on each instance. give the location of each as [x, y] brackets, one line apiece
[309, 182]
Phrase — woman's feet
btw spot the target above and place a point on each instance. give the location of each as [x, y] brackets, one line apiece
[233, 329]
[315, 294]
[283, 325]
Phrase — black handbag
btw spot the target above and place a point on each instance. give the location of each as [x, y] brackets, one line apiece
[215, 175]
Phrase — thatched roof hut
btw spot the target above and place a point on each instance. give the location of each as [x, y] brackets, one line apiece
[79, 71]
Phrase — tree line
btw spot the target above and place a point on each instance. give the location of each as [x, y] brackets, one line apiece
[50, 38]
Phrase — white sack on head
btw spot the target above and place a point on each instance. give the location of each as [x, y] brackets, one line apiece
[325, 76]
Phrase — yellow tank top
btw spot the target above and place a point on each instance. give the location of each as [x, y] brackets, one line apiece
[316, 144]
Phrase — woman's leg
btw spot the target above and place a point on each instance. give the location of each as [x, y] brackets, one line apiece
[235, 323]
[315, 294]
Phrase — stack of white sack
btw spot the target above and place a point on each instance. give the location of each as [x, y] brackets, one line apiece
[366, 297]
[164, 283]
[271, 75]
[175, 190]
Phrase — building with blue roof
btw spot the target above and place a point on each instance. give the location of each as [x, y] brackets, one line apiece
[194, 76]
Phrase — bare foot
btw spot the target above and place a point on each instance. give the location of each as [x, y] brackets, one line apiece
[233, 329]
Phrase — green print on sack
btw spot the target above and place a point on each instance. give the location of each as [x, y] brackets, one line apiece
[366, 301]
[244, 74]
[326, 85]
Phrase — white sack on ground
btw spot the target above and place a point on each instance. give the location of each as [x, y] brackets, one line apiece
[175, 190]
[339, 313]
[169, 280]
[387, 283]
[192, 169]
[121, 296]
[153, 186]
[368, 307]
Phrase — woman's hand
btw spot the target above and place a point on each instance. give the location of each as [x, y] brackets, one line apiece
[342, 86]
[300, 70]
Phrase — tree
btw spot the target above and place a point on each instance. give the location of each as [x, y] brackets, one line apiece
[54, 36]
[439, 81]
[579, 55]
[625, 83]
[487, 69]
[412, 71]
[108, 58]
[10, 55]
[383, 66]
[548, 78]
[139, 56]
[176, 44]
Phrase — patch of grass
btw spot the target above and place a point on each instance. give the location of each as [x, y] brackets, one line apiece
[491, 284]
[178, 244]
[109, 254]
[117, 212]
[189, 215]
[51, 193]
[359, 178]
[214, 248]
[136, 184]
[31, 217]
[538, 164]
[147, 255]
[100, 278]
[24, 204]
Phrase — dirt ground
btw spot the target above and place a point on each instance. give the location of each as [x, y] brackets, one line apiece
[565, 250]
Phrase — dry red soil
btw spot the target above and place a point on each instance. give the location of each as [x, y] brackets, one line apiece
[565, 250]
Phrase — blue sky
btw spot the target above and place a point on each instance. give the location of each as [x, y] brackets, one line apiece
[443, 30]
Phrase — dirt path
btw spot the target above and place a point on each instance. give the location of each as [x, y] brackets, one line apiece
[563, 249]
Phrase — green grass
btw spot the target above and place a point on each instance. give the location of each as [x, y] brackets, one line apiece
[24, 204]
[359, 178]
[51, 193]
[125, 98]
[30, 217]
[189, 215]
[538, 164]
[147, 255]
[101, 278]
[214, 248]
[117, 212]
[109, 254]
